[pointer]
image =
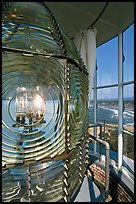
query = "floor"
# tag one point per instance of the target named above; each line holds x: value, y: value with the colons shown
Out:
x: 89, y: 192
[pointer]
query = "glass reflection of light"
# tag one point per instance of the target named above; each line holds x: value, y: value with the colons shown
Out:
x: 38, y: 102
x: 29, y: 107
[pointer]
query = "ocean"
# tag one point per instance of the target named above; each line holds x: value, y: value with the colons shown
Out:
x: 110, y: 115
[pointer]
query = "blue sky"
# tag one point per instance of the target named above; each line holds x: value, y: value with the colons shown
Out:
x: 107, y: 63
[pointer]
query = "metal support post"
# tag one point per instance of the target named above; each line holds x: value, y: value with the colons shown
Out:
x: 120, y: 101
x: 95, y: 108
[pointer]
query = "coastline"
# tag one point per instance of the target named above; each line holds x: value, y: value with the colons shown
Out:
x: 109, y: 126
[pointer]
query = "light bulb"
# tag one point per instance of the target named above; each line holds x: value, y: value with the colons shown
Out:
x: 38, y: 101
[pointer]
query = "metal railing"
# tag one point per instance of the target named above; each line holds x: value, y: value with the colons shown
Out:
x: 107, y: 148
x: 128, y: 132
x: 102, y: 141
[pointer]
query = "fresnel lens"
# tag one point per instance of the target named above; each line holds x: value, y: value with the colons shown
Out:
x: 44, y: 107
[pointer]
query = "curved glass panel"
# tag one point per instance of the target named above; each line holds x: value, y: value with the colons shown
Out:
x: 24, y: 23
x: 44, y: 107
x: 33, y: 107
x: 46, y: 178
x: 77, y: 105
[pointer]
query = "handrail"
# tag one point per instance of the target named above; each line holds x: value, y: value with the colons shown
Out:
x: 112, y: 127
x: 107, y: 148
x: 128, y: 132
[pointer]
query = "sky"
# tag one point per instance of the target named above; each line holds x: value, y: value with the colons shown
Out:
x: 107, y: 65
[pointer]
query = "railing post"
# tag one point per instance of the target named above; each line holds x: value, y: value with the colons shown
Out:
x: 100, y: 143
x: 107, y: 147
x: 104, y: 127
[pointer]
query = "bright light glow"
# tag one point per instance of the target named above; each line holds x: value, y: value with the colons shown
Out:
x: 16, y: 101
x: 23, y: 88
x: 37, y: 88
x: 40, y: 189
x: 38, y: 101
x: 26, y: 100
x: 39, y: 112
x: 22, y: 102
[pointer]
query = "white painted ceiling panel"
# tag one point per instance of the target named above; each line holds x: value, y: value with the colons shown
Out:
x: 77, y: 16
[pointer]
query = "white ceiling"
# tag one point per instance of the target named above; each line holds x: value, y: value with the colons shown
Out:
x: 76, y: 16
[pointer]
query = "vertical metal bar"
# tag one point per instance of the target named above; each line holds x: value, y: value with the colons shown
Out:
x: 100, y: 143
x: 107, y: 173
x: 120, y: 101
x: 104, y: 126
x: 29, y: 184
x: 95, y: 107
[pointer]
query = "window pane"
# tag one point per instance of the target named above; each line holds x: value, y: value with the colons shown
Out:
x: 107, y: 94
x: 107, y: 63
x: 128, y: 145
x: 128, y: 113
x: 107, y: 115
x: 128, y: 49
x: 107, y: 106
